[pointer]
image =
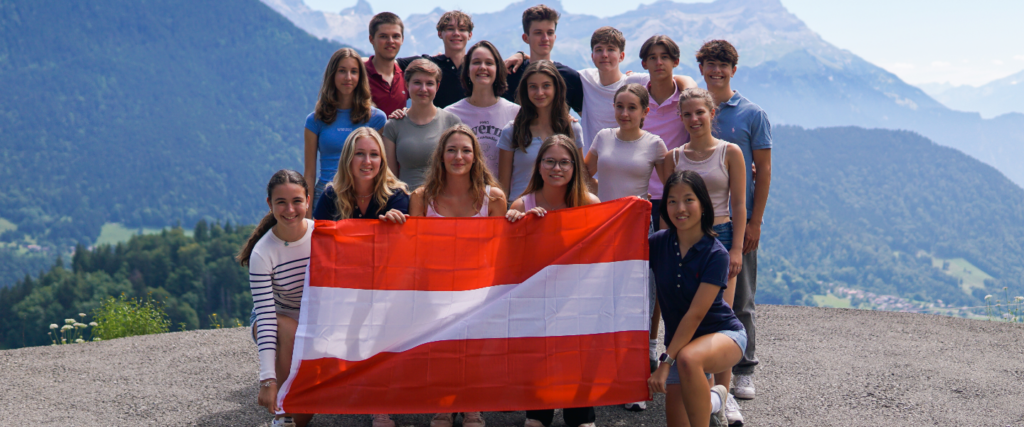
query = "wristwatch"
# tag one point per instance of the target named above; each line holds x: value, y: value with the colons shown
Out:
x: 665, y: 359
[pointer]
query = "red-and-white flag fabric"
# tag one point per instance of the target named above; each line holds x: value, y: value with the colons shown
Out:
x: 474, y: 314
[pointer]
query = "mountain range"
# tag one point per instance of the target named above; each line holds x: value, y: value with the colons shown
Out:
x: 992, y: 99
x: 785, y: 67
x: 162, y: 112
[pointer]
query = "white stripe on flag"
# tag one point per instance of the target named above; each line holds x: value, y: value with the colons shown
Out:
x: 560, y: 300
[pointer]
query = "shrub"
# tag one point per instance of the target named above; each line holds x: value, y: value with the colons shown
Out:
x: 124, y: 317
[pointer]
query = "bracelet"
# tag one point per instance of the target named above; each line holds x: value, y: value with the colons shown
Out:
x: 266, y: 383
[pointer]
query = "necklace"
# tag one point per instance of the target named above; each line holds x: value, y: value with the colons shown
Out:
x: 703, y: 155
x: 364, y: 197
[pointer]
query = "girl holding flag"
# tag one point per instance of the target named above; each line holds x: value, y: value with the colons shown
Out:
x: 557, y: 183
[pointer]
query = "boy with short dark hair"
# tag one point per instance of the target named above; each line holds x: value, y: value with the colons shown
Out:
x: 387, y: 83
x: 743, y: 123
x: 539, y: 23
x: 455, y: 29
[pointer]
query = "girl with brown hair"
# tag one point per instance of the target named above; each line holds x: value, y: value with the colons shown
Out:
x: 343, y: 105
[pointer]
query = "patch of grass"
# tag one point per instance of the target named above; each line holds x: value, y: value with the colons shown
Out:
x: 114, y: 232
x: 832, y: 301
x: 970, y: 276
x: 128, y: 317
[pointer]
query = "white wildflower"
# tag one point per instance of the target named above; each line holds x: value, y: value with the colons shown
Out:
x: 66, y: 327
x: 93, y: 324
x: 1019, y: 299
x: 97, y: 339
x: 53, y: 326
x: 988, y: 297
x: 69, y: 321
x: 63, y: 340
x: 79, y: 325
x: 81, y: 314
x: 79, y: 340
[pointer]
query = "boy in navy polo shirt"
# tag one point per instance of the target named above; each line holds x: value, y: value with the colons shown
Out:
x: 539, y: 23
x: 745, y: 124
x: 455, y: 29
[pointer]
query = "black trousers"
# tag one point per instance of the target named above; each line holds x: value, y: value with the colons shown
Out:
x: 573, y: 416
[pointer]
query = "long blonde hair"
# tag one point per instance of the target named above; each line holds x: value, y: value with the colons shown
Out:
x: 437, y: 178
x: 327, y: 102
x: 384, y: 184
x: 577, y: 193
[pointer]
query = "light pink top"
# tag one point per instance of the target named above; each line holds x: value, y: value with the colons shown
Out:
x: 663, y: 120
x: 529, y: 201
x: 714, y: 172
x: 483, y: 210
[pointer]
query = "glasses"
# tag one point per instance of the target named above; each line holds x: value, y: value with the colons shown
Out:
x: 564, y: 164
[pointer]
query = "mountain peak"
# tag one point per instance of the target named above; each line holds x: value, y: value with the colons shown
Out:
x: 362, y: 7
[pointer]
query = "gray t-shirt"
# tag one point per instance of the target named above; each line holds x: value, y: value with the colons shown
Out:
x: 414, y: 144
x: 626, y: 166
x: 522, y: 163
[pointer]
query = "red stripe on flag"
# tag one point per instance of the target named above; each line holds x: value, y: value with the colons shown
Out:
x: 457, y: 254
x: 479, y: 375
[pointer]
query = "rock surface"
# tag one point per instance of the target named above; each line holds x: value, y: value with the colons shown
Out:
x: 818, y: 366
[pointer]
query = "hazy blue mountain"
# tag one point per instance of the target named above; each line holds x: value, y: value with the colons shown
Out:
x: 998, y: 97
x: 785, y: 66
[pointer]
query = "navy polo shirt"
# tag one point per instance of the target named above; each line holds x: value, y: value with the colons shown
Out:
x: 573, y: 85
x: 677, y: 278
x: 450, y: 90
x: 326, y: 207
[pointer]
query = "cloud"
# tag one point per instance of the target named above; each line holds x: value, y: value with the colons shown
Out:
x: 940, y: 64
x: 901, y: 66
x: 1018, y: 57
x: 997, y: 62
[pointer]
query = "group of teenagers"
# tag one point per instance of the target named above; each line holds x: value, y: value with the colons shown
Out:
x: 469, y: 133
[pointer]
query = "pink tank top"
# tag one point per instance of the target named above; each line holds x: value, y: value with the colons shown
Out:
x: 714, y: 172
x: 483, y: 210
x: 529, y: 202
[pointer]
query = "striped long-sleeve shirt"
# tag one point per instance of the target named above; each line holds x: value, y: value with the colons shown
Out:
x: 277, y: 270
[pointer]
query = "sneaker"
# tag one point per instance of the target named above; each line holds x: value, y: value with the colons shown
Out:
x: 283, y: 422
x: 530, y: 422
x: 732, y: 412
x: 472, y: 419
x: 382, y: 420
x: 743, y: 386
x: 442, y: 420
x: 636, y: 406
x: 718, y: 419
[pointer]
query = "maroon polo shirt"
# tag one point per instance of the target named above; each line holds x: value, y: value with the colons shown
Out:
x: 387, y: 96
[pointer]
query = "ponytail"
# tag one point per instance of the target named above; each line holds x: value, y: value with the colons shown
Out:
x: 283, y: 176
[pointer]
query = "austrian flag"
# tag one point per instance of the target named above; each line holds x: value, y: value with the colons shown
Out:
x: 474, y: 314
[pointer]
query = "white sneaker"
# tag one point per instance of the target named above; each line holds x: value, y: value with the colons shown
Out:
x: 636, y: 406
x: 382, y: 420
x: 718, y: 419
x: 472, y: 419
x: 283, y: 422
x: 530, y: 422
x: 732, y: 412
x: 743, y: 386
x: 442, y: 420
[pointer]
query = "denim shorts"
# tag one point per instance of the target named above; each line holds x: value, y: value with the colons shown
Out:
x: 739, y: 337
x: 724, y: 231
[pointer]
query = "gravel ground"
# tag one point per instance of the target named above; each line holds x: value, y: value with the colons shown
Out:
x: 829, y: 367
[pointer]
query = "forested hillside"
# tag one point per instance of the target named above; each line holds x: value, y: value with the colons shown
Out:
x: 855, y: 206
x: 146, y: 112
x: 192, y: 277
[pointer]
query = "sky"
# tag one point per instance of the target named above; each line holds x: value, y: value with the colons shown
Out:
x: 921, y: 41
